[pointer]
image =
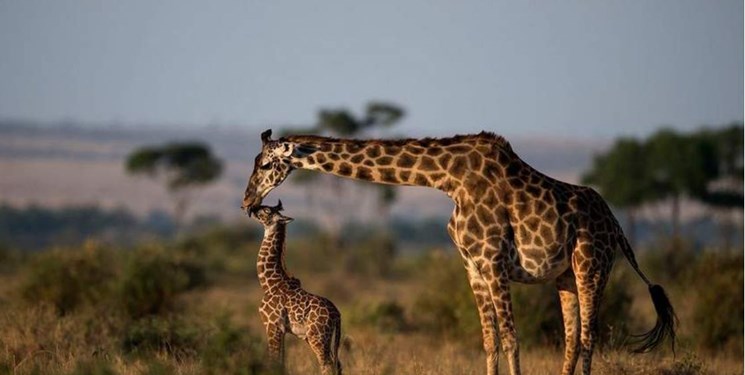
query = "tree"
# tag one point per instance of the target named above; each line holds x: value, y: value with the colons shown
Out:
x: 725, y: 193
x: 680, y: 166
x: 622, y: 176
x: 183, y: 167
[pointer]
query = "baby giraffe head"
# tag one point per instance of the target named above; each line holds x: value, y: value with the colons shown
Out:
x: 270, y: 216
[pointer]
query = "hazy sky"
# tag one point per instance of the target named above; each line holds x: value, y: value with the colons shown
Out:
x: 520, y: 68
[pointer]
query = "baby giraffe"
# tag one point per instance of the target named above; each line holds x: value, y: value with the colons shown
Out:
x: 286, y: 307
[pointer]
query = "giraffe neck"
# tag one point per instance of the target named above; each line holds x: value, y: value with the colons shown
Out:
x: 270, y: 265
x: 438, y: 163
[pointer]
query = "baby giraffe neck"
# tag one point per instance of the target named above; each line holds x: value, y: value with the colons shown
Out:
x: 270, y: 265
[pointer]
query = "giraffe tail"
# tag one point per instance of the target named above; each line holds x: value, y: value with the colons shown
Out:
x: 666, y: 318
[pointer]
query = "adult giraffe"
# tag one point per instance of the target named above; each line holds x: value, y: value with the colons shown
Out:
x: 510, y: 223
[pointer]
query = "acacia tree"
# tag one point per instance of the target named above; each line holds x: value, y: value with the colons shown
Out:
x: 183, y: 167
x: 622, y: 176
x: 705, y: 166
x: 725, y: 193
x: 680, y: 166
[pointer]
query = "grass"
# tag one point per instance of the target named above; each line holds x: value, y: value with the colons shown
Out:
x: 71, y: 312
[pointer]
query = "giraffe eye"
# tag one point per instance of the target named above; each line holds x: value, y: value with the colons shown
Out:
x: 266, y: 166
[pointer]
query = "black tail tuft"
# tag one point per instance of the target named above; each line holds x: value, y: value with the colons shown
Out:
x: 666, y: 321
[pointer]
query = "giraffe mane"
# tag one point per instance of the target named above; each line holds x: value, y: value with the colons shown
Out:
x: 496, y: 139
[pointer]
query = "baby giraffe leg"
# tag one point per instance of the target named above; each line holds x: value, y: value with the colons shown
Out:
x: 275, y: 344
x: 321, y: 341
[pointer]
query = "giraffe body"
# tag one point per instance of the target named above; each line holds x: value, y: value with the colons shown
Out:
x: 286, y: 307
x: 510, y: 223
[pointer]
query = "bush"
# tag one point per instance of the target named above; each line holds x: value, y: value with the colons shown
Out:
x: 152, y: 278
x: 222, y: 249
x: 371, y: 256
x: 537, y: 314
x: 667, y: 260
x: 228, y: 349
x: 93, y: 367
x: 718, y: 310
x: 615, y: 308
x: 155, y: 335
x: 67, y: 279
x: 219, y: 346
x: 385, y: 316
x: 446, y: 305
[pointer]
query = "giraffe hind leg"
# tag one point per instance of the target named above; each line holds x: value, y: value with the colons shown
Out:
x: 567, y: 288
x: 321, y: 342
x: 590, y: 286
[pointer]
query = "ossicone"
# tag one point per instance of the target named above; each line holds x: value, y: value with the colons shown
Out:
x: 279, y: 207
x: 265, y: 136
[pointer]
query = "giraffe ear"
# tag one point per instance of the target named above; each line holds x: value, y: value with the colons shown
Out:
x: 279, y: 207
x: 266, y: 136
x: 301, y: 151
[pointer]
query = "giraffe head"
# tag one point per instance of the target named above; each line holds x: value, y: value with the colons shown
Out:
x: 271, y: 167
x: 269, y: 216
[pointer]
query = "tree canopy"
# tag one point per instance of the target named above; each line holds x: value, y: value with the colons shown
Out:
x: 705, y: 165
x: 181, y: 165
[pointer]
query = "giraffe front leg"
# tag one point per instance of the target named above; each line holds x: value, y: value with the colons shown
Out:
x: 487, y: 314
x: 275, y: 344
x: 567, y: 288
x: 499, y: 287
x: 480, y: 289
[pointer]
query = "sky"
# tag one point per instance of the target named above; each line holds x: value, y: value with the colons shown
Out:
x: 544, y: 69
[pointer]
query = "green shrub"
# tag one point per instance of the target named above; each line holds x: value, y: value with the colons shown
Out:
x: 157, y: 367
x: 67, y: 279
x: 152, y: 278
x: 93, y: 367
x: 668, y: 260
x: 446, y: 304
x: 222, y: 249
x: 615, y: 309
x: 385, y: 316
x: 161, y: 335
x: 312, y: 254
x: 9, y: 259
x: 371, y: 256
x: 718, y: 310
x: 537, y: 315
x: 228, y: 349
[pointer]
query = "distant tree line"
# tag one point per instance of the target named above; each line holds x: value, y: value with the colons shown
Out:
x: 705, y: 166
x: 35, y: 228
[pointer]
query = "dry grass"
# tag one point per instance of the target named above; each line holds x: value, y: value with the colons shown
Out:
x: 215, y: 329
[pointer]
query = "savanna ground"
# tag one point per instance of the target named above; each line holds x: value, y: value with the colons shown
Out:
x: 189, y: 306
